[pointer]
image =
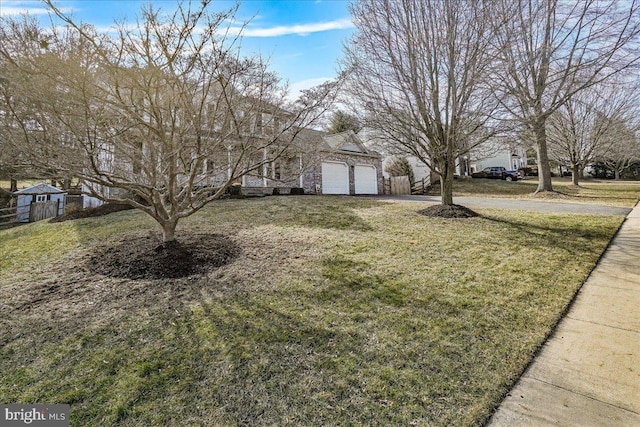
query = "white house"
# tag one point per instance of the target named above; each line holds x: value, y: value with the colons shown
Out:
x: 509, y: 156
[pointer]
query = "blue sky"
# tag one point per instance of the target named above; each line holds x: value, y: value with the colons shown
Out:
x: 302, y: 38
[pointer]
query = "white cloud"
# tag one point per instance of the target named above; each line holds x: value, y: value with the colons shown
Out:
x: 299, y: 29
x: 15, y: 11
x: 15, y: 8
x: 296, y: 88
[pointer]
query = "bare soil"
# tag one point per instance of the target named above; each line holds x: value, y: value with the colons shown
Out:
x: 143, y: 257
x: 448, y: 211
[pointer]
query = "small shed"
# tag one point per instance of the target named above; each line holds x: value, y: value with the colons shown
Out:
x: 40, y: 201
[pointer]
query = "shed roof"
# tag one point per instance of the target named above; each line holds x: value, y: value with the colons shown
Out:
x: 40, y: 188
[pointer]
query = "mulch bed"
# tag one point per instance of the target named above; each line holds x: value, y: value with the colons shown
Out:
x: 101, y: 210
x: 448, y: 211
x: 143, y: 257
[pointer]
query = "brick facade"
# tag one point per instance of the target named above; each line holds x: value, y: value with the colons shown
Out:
x: 312, y: 179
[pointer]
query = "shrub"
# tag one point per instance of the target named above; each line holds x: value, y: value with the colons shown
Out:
x: 235, y: 189
x: 297, y: 191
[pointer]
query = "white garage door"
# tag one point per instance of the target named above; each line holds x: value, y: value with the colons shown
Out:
x: 335, y: 178
x: 365, y: 179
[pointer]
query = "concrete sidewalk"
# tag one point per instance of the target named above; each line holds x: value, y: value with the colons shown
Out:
x: 588, y: 372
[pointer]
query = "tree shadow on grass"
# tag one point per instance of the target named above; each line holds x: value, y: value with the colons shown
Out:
x: 561, y: 234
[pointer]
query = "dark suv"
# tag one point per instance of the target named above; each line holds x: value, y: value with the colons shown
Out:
x: 496, y: 172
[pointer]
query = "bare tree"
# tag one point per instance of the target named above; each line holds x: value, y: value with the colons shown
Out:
x: 163, y: 116
x: 549, y: 50
x: 587, y: 126
x: 624, y: 147
x: 418, y: 68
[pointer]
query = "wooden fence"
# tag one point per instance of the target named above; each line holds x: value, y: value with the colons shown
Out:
x: 43, y: 210
x: 73, y: 202
x: 401, y: 185
x: 421, y: 186
x: 8, y: 215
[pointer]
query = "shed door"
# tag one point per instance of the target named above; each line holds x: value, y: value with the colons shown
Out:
x: 335, y: 178
x: 365, y: 179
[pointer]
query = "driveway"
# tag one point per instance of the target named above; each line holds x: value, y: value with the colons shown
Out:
x: 521, y: 204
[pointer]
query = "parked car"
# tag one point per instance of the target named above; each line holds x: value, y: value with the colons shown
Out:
x: 512, y: 175
x: 495, y: 172
x: 498, y: 172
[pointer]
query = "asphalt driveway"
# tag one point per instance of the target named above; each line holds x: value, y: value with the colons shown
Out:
x: 521, y: 204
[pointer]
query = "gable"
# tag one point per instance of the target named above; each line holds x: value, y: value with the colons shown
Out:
x: 345, y: 141
x: 40, y: 188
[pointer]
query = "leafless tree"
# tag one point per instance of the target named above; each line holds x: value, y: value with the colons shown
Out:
x: 417, y: 68
x: 624, y: 147
x: 550, y: 50
x: 588, y: 125
x: 165, y: 113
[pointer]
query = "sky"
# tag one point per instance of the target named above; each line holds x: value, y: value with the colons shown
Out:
x: 302, y: 38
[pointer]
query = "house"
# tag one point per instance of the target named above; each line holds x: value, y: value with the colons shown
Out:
x: 344, y: 165
x: 319, y: 163
x: 316, y: 161
x: 40, y: 201
x: 509, y: 156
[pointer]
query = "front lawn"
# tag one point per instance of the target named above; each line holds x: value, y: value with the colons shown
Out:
x: 601, y: 192
x: 338, y: 311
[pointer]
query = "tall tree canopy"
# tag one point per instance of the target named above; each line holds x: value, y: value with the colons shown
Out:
x: 418, y: 68
x: 594, y: 124
x: 547, y: 51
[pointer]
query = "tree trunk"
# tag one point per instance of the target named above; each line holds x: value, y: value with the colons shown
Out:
x: 575, y: 174
x: 169, y: 230
x: 446, y: 184
x: 544, y: 169
x: 616, y: 173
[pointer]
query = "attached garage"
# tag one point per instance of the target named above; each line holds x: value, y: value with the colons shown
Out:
x: 365, y: 179
x: 335, y: 178
x: 345, y: 166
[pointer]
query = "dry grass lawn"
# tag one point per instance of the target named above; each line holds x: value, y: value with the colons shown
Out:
x: 338, y: 311
x: 601, y: 192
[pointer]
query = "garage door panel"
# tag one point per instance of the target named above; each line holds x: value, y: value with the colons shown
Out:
x: 335, y: 178
x: 365, y: 179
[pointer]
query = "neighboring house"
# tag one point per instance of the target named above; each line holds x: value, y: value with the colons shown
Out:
x: 494, y: 154
x: 38, y: 202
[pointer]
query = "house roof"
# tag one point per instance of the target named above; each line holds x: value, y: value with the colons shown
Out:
x: 40, y: 188
x: 346, y: 141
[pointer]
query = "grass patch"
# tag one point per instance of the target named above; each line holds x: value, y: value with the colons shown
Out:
x: 611, y: 193
x: 340, y: 311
